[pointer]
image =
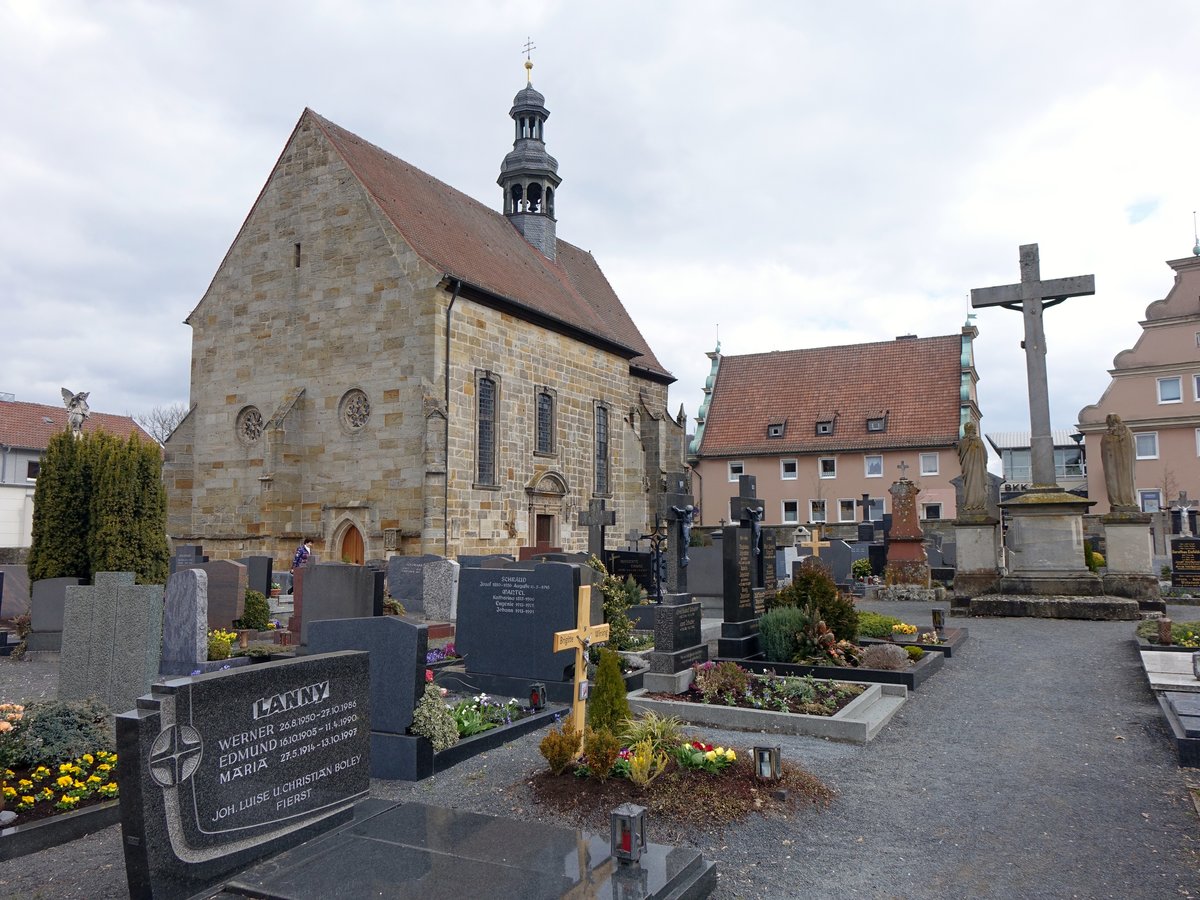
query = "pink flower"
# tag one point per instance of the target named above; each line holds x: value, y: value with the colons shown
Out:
x: 428, y: 675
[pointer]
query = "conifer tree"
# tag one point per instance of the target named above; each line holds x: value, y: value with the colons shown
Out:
x: 608, y: 706
x: 58, y: 547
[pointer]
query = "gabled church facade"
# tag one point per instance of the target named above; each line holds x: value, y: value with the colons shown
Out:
x: 388, y: 366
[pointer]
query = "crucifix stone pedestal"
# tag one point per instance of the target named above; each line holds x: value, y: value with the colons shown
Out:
x: 1044, y: 541
x: 907, y: 563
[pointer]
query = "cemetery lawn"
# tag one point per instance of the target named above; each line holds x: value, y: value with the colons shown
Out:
x: 793, y: 694
x: 693, y: 799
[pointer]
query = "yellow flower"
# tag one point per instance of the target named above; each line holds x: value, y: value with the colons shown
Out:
x: 9, y: 792
x: 27, y: 801
x: 93, y: 779
x: 711, y: 754
x: 103, y: 767
x: 729, y: 754
x: 65, y: 781
x: 46, y: 794
x: 88, y: 758
x: 24, y: 784
x: 67, y: 798
x: 720, y: 751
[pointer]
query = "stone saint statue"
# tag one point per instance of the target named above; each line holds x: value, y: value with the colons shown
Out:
x: 77, y: 410
x: 1116, y: 454
x: 972, y: 459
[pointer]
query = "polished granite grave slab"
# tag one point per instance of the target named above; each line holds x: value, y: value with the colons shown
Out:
x: 1182, y: 712
x: 420, y: 851
x: 1169, y: 671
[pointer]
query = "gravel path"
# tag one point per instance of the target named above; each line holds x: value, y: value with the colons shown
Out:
x: 1035, y: 764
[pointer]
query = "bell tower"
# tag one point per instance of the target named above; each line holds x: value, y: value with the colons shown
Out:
x: 529, y: 175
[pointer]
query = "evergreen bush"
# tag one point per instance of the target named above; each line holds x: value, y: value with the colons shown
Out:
x: 778, y: 630
x: 813, y: 585
x: 601, y: 748
x: 875, y: 625
x: 99, y: 506
x: 618, y: 595
x: 559, y: 747
x: 256, y: 613
x: 608, y: 707
x: 56, y: 731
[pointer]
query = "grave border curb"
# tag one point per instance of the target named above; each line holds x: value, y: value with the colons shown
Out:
x: 21, y: 840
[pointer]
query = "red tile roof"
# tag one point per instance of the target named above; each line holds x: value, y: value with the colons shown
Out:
x: 915, y: 380
x: 25, y: 425
x: 464, y: 238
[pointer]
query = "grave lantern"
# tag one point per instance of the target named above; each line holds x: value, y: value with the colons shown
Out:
x: 628, y: 833
x: 939, y: 619
x: 537, y: 695
x: 768, y: 763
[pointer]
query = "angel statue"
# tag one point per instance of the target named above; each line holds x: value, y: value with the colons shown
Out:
x: 77, y: 410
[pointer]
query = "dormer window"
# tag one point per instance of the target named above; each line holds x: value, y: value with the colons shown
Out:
x: 825, y: 426
x: 877, y: 422
x: 776, y: 429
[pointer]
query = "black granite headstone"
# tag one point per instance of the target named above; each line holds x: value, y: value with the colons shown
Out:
x: 625, y: 563
x: 259, y: 575
x: 1185, y: 562
x: 220, y: 770
x: 507, y: 619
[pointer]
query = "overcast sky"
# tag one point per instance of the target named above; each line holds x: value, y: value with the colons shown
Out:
x: 799, y: 174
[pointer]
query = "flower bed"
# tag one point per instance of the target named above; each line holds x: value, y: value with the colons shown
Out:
x: 911, y: 677
x: 805, y: 695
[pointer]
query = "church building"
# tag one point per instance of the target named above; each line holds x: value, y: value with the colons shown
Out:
x: 386, y: 365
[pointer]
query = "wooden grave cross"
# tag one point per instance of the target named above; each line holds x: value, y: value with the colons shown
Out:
x: 580, y: 639
x: 814, y: 543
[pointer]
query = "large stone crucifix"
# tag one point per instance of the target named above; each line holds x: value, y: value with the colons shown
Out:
x: 1030, y: 297
x: 579, y: 639
x: 596, y: 519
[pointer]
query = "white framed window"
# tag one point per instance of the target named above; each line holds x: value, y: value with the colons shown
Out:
x: 929, y: 463
x: 1150, y: 501
x: 788, y: 469
x: 875, y: 509
x: 816, y: 510
x: 1146, y: 444
x: 873, y: 466
x: 736, y: 470
x: 931, y: 511
x: 1198, y: 441
x: 827, y: 466
x: 791, y: 512
x: 825, y: 426
x: 847, y: 510
x: 776, y: 429
x: 33, y: 468
x: 1196, y: 387
x: 1170, y: 390
x: 877, y: 424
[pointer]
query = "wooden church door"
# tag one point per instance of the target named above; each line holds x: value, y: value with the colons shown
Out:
x: 352, y: 547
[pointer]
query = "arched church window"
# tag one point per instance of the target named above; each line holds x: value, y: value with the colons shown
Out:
x: 485, y: 445
x: 535, y: 198
x: 517, y: 195
x: 550, y: 201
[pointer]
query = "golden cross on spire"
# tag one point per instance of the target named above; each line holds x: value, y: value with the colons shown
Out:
x: 529, y: 48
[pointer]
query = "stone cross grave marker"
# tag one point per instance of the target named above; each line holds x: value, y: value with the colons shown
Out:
x: 1031, y: 297
x: 814, y: 543
x: 676, y: 506
x: 634, y: 536
x: 596, y: 519
x: 579, y: 639
x: 747, y: 511
x: 903, y: 466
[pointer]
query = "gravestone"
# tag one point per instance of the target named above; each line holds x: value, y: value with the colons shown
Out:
x: 474, y: 561
x: 259, y: 573
x: 906, y: 562
x: 186, y: 556
x: 340, y: 591
x: 112, y: 640
x: 838, y: 556
x: 631, y: 563
x: 678, y: 644
x: 749, y: 573
x: 185, y: 628
x: 785, y: 557
x: 397, y: 648
x: 506, y: 623
x: 676, y: 508
x: 46, y: 608
x: 1185, y: 562
x: 596, y: 518
x: 866, y: 532
x: 15, y: 598
x: 227, y: 584
x: 427, y: 585
x: 220, y: 770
